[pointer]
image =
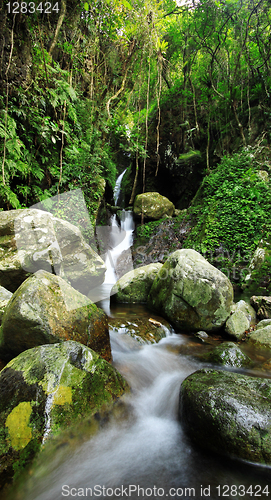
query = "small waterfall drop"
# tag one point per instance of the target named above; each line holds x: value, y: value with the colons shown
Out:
x: 118, y: 257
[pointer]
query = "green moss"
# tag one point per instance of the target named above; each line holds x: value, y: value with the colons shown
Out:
x: 17, y: 423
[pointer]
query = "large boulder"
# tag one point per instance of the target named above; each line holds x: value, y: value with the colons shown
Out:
x: 32, y: 239
x: 135, y: 286
x: 46, y: 309
x: 46, y: 389
x: 153, y: 206
x: 228, y: 413
x: 191, y: 293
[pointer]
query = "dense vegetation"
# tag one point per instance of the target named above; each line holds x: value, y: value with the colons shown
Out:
x: 165, y: 88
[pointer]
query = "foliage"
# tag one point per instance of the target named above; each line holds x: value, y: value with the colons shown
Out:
x: 235, y: 215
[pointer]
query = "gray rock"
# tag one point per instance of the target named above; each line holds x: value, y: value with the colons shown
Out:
x: 191, y: 293
x: 228, y: 413
x: 263, y: 323
x: 135, y: 286
x: 32, y: 239
x: 261, y: 337
x: 153, y: 205
x: 46, y: 309
x: 237, y: 324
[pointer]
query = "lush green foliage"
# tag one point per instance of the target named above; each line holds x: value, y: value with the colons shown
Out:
x: 231, y: 212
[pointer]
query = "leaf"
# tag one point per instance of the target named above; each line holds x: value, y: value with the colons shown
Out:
x: 86, y: 6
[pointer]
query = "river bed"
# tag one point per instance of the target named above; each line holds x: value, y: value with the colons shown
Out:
x: 147, y: 454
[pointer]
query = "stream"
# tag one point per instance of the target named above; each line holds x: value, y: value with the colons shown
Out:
x: 146, y: 455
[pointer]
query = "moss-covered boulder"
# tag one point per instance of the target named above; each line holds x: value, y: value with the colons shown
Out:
x: 46, y: 389
x: 262, y: 305
x: 135, y: 286
x: 191, y: 293
x: 153, y: 206
x: 5, y: 296
x: 228, y: 354
x: 32, y: 239
x: 228, y: 413
x: 46, y: 309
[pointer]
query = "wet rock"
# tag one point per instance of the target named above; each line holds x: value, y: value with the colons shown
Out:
x: 135, y: 286
x: 153, y: 206
x: 263, y: 324
x: 203, y: 336
x: 144, y: 330
x: 261, y: 337
x: 228, y: 413
x: 262, y: 305
x: 46, y: 389
x: 191, y: 293
x: 46, y: 309
x: 5, y: 296
x: 228, y: 354
x: 32, y: 239
x: 237, y: 324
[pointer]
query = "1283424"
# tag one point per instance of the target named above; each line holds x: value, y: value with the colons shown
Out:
x: 32, y: 7
x: 241, y: 490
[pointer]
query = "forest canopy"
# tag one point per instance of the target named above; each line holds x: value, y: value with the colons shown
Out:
x: 94, y: 87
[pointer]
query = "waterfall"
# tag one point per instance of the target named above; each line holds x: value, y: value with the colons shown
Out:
x: 117, y: 187
x: 118, y: 239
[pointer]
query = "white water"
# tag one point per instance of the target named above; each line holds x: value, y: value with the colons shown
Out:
x: 120, y: 239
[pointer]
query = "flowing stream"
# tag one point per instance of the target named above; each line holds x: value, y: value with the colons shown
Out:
x: 146, y: 455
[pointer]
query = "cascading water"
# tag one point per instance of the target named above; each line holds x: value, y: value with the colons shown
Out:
x: 120, y: 240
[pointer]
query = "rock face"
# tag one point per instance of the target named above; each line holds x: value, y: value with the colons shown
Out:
x: 46, y: 309
x: 46, y: 389
x: 191, y: 293
x: 228, y: 413
x: 153, y: 206
x: 32, y: 239
x: 262, y: 305
x: 229, y: 354
x: 135, y: 286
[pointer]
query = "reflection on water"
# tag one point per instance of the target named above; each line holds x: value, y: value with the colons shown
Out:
x: 146, y: 455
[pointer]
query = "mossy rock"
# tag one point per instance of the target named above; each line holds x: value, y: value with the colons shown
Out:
x: 46, y: 309
x: 153, y: 206
x: 228, y: 413
x: 237, y: 324
x: 190, y: 293
x: 228, y: 354
x: 46, y: 389
x: 134, y: 287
